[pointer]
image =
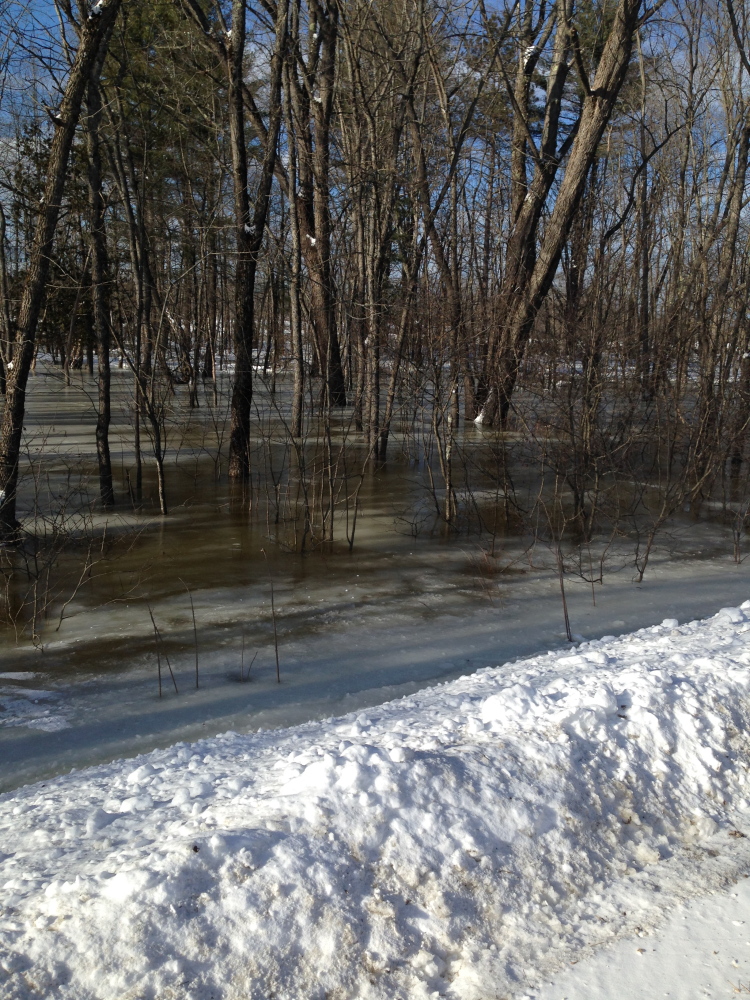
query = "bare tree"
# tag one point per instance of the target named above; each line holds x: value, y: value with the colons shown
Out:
x: 93, y: 37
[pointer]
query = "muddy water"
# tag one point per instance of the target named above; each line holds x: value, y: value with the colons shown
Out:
x: 404, y: 607
x: 217, y: 539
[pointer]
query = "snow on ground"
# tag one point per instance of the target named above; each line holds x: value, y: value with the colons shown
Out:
x: 701, y: 952
x: 467, y: 841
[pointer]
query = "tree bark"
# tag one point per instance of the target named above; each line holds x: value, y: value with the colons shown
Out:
x: 94, y: 33
x: 295, y: 311
x: 532, y: 287
x: 6, y: 325
x: 230, y: 50
x: 312, y: 121
x: 99, y: 282
x: 249, y: 234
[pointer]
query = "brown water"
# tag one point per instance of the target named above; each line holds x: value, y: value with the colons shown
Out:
x: 407, y: 604
x: 217, y: 536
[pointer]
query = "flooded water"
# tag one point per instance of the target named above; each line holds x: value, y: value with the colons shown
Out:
x: 406, y: 605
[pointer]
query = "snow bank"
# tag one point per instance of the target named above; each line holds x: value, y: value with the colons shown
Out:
x: 449, y: 844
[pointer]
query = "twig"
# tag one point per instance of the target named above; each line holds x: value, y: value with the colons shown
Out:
x: 242, y: 664
x: 561, y: 574
x: 273, y: 619
x: 156, y: 643
x: 169, y: 665
x: 166, y: 655
x: 87, y: 567
x: 195, y: 630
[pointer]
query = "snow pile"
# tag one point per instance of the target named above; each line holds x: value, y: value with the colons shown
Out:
x: 450, y: 844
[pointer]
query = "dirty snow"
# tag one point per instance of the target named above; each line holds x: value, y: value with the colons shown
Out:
x: 468, y: 841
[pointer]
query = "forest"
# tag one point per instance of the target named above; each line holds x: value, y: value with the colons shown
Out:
x: 502, y: 249
x: 374, y: 436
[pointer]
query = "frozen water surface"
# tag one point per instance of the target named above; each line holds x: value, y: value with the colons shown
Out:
x: 97, y: 697
x: 355, y: 628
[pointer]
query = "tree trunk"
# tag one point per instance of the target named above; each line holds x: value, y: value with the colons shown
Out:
x: 532, y: 287
x: 312, y: 121
x: 249, y: 234
x: 99, y: 284
x: 6, y: 326
x: 94, y: 34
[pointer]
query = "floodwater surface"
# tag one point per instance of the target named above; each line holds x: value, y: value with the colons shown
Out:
x: 150, y: 629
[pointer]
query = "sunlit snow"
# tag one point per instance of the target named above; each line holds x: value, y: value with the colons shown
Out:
x: 466, y: 841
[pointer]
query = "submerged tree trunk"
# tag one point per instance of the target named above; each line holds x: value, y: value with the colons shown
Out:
x: 526, y: 288
x: 312, y: 123
x: 93, y: 39
x: 229, y: 48
x: 6, y: 326
x: 239, y: 459
x: 244, y: 275
x: 99, y: 284
x: 295, y: 312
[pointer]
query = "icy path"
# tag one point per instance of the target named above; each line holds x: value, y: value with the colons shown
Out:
x: 468, y: 841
